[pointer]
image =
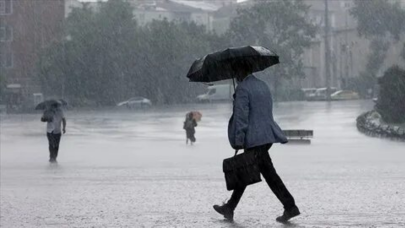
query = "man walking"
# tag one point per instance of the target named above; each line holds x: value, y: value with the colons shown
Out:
x: 54, y: 118
x: 253, y: 129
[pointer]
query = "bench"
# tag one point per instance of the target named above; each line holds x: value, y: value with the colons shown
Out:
x: 299, y: 136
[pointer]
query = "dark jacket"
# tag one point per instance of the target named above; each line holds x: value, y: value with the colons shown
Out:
x: 252, y: 123
x: 189, y: 125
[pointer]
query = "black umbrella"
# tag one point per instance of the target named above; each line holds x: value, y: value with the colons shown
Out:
x: 228, y: 63
x: 48, y: 103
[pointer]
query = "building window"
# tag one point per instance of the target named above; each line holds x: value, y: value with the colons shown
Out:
x: 6, y: 33
x: 6, y: 7
x: 6, y: 60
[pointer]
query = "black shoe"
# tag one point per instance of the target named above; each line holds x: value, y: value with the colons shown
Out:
x: 225, y: 211
x: 52, y: 160
x: 288, y: 214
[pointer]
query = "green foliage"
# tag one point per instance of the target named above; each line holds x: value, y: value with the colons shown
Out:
x: 391, y: 99
x: 109, y: 58
x: 362, y: 84
x: 282, y: 26
x: 169, y: 50
x: 375, y: 60
x: 378, y: 18
x: 90, y: 64
x: 381, y: 22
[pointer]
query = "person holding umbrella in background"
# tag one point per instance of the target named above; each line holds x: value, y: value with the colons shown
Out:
x: 54, y: 118
x: 189, y: 125
x: 251, y: 127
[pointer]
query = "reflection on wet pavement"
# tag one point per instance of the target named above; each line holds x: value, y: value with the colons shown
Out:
x: 133, y: 169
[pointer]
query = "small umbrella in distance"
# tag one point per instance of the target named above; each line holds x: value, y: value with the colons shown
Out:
x: 197, y: 116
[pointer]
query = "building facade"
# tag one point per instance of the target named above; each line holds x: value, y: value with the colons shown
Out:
x: 199, y: 12
x: 348, y: 51
x: 26, y: 28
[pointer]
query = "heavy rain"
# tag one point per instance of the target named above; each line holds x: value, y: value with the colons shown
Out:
x: 162, y: 113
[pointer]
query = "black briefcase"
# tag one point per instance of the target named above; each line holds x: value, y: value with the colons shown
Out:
x: 241, y: 170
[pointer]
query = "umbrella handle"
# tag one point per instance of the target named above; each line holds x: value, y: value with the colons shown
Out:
x: 233, y: 80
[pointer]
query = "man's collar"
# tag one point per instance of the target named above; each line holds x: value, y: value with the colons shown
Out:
x: 247, y: 77
x: 244, y: 78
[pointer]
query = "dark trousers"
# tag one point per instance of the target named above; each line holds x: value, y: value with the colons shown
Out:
x: 54, y: 140
x: 190, y: 134
x: 270, y: 175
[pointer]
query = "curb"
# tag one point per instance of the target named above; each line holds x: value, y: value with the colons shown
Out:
x: 365, y: 125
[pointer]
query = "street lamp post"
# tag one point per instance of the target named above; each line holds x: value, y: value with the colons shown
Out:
x: 327, y: 51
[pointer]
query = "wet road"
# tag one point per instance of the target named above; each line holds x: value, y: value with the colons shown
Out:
x: 133, y: 169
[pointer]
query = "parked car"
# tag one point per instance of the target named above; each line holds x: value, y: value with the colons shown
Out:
x: 320, y: 94
x: 344, y: 95
x: 136, y: 102
x: 217, y: 93
x: 375, y: 99
x: 308, y: 92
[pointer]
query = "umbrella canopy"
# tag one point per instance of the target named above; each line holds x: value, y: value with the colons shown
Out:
x: 197, y: 115
x: 48, y: 103
x: 228, y: 63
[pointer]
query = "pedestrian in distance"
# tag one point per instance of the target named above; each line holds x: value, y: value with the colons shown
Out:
x: 54, y: 118
x: 252, y: 128
x: 189, y: 126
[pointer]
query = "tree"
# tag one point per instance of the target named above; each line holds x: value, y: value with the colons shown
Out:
x: 281, y: 26
x: 382, y: 23
x: 391, y: 99
x: 375, y: 60
x: 378, y: 18
x: 170, y: 50
x: 109, y: 58
x: 91, y: 64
